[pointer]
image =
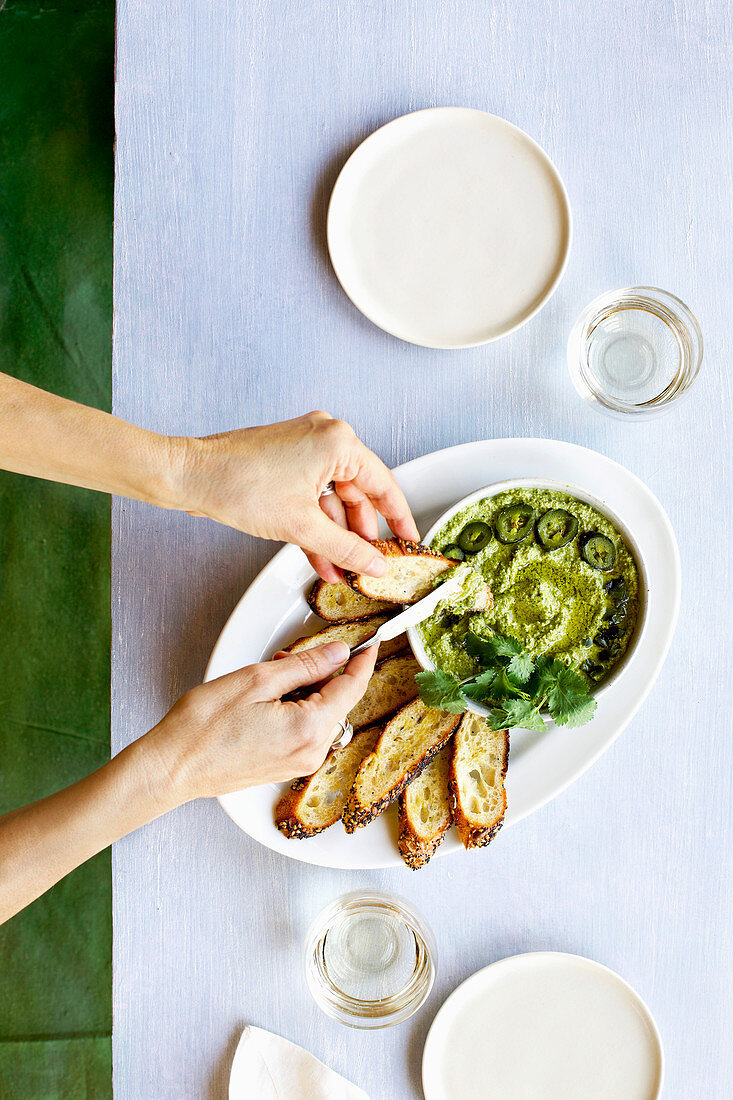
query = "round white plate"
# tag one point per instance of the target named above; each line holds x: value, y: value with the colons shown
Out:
x: 545, y: 1024
x: 273, y: 612
x: 449, y: 227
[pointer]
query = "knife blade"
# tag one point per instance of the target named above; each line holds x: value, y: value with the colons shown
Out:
x: 413, y: 613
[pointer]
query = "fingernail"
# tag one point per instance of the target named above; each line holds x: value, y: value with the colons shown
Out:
x: 337, y: 652
x: 378, y: 567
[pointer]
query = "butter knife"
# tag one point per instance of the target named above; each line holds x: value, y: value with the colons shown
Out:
x: 414, y: 613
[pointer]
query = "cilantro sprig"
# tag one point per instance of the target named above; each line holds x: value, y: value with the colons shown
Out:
x: 517, y: 687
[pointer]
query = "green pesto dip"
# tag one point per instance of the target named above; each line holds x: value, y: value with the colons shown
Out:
x: 552, y: 601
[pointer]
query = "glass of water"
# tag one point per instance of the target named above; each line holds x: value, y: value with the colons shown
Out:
x: 369, y: 960
x: 634, y: 352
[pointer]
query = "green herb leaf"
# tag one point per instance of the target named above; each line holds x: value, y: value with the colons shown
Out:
x: 481, y: 687
x: 490, y: 649
x: 506, y: 646
x: 568, y: 698
x: 544, y: 675
x: 521, y: 667
x: 440, y: 690
x: 582, y: 713
x: 515, y: 687
x: 517, y: 713
x: 505, y: 687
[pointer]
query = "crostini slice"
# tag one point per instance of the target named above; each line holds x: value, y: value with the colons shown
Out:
x: 392, y: 685
x: 424, y: 811
x: 339, y: 603
x: 317, y: 801
x: 479, y: 758
x: 412, y: 570
x: 352, y: 634
x: 410, y: 740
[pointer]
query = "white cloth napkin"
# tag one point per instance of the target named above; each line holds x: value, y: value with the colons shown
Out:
x: 267, y: 1067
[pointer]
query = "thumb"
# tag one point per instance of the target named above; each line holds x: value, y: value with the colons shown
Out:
x: 296, y: 670
x: 342, y: 548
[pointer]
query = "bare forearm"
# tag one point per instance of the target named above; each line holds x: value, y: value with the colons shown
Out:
x: 49, y: 437
x: 41, y: 843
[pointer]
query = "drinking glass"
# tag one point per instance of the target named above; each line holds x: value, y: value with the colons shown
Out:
x: 633, y: 353
x: 369, y: 960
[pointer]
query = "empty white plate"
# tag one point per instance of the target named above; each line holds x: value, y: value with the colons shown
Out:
x: 543, y: 1026
x: 449, y: 227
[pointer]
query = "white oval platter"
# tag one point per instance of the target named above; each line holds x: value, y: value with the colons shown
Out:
x: 273, y: 611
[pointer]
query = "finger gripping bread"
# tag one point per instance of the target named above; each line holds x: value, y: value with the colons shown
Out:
x: 479, y: 758
x: 424, y: 811
x: 410, y: 740
x: 338, y: 603
x: 412, y: 570
x: 317, y: 801
x: 352, y: 634
x: 391, y: 686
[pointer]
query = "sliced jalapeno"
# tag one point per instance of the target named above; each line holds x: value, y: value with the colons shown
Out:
x: 606, y: 636
x: 454, y: 552
x: 474, y: 537
x: 598, y: 551
x: 556, y: 528
x: 616, y: 588
x: 514, y: 523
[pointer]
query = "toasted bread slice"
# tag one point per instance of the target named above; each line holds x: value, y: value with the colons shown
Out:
x: 352, y: 634
x: 425, y: 814
x: 317, y: 801
x: 478, y: 765
x: 409, y: 742
x: 412, y: 570
x: 392, y: 685
x: 338, y: 603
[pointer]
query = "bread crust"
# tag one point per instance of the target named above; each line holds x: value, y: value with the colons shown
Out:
x: 286, y: 812
x: 474, y: 836
x: 380, y: 713
x: 317, y: 599
x: 352, y: 633
x: 416, y: 848
x: 394, y: 548
x: 357, y: 813
x: 289, y: 810
x: 415, y: 852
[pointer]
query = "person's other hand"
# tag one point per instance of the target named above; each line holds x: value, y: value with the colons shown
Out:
x: 268, y: 482
x: 238, y: 731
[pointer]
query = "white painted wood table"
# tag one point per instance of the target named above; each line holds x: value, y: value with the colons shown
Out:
x: 232, y: 122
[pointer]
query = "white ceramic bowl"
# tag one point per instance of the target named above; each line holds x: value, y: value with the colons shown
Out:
x: 585, y: 497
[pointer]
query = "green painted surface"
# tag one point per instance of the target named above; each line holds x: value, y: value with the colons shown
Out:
x: 56, y: 178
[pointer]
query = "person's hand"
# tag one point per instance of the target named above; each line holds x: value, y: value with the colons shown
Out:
x: 268, y: 482
x: 238, y: 732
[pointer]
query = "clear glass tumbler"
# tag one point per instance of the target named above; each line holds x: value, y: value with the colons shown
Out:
x: 634, y: 352
x: 369, y: 960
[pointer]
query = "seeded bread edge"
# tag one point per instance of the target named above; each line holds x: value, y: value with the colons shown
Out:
x: 356, y: 814
x: 471, y: 835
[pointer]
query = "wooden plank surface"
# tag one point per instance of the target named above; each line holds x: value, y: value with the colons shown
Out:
x: 232, y: 123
